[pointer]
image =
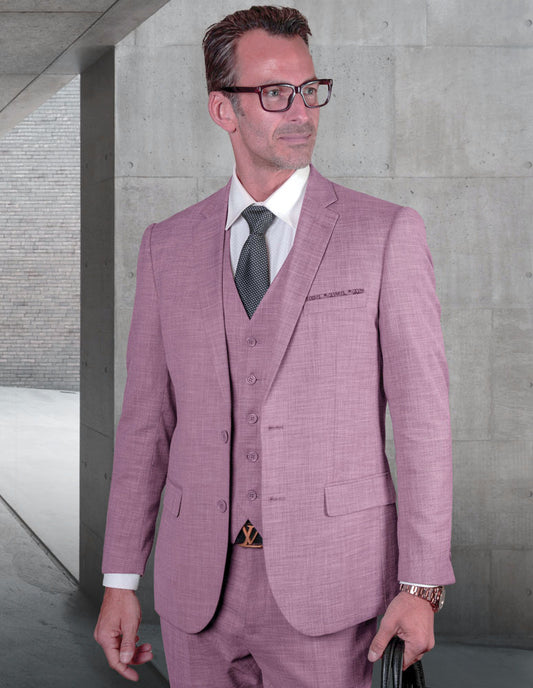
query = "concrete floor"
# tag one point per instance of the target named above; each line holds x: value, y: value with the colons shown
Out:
x: 39, y: 464
x: 47, y: 624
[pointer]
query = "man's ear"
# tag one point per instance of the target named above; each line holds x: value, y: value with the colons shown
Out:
x: 221, y: 111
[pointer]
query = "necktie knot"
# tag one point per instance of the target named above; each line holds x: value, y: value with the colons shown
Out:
x: 258, y: 218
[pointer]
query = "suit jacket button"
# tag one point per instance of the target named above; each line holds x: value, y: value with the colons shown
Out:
x: 252, y: 456
x: 251, y: 379
x: 222, y: 506
x: 225, y: 436
x: 251, y: 341
x: 252, y: 418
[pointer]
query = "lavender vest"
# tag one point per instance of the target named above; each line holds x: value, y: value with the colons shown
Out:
x: 249, y: 343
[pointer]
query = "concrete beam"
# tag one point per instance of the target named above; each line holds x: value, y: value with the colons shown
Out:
x: 44, y: 44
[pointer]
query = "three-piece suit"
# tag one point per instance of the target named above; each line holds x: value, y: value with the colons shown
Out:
x: 281, y: 418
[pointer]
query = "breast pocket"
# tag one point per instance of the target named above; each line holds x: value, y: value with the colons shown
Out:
x: 318, y: 303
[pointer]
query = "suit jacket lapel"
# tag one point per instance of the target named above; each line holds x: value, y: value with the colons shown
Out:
x: 209, y: 253
x: 316, y: 224
x: 310, y: 242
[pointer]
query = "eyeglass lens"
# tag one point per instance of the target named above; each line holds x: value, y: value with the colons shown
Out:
x: 277, y: 97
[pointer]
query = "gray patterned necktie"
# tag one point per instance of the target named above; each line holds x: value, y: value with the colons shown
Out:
x: 252, y: 275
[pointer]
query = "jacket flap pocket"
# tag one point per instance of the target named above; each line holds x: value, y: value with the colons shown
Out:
x: 356, y: 495
x: 172, y: 500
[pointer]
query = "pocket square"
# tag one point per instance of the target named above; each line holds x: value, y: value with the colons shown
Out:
x: 331, y: 294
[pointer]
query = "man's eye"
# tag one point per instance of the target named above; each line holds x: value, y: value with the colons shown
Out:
x: 272, y: 93
x: 310, y: 91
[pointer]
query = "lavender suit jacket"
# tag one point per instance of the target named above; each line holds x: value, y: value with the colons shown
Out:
x: 359, y: 326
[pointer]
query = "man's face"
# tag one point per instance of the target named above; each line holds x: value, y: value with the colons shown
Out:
x: 271, y: 141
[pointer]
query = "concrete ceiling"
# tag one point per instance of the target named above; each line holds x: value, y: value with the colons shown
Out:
x: 45, y: 43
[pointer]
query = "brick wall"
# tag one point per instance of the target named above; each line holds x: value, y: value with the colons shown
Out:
x: 40, y: 239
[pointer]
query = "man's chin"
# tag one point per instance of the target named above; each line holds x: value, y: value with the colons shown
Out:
x: 294, y: 162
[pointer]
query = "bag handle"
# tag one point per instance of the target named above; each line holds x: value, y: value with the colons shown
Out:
x: 391, y: 664
x: 392, y: 675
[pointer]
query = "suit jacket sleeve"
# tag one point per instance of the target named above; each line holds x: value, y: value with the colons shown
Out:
x: 143, y: 433
x: 415, y: 378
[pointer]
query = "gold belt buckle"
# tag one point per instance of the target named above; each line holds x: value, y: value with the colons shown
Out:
x: 250, y: 534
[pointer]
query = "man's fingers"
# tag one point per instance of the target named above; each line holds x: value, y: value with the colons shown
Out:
x: 407, y: 662
x: 127, y: 644
x: 380, y: 642
x: 143, y: 654
x: 113, y: 659
x: 413, y: 652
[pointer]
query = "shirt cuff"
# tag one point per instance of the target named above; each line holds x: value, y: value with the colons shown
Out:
x: 126, y: 581
x: 419, y: 585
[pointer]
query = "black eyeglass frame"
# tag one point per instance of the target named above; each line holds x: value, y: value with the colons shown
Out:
x: 295, y: 91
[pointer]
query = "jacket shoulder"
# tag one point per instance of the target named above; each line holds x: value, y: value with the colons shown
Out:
x: 376, y: 213
x: 374, y: 206
x: 355, y: 205
x: 191, y: 216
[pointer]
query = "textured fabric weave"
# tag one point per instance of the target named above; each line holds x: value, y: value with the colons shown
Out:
x: 358, y: 327
x: 250, y: 643
x: 252, y: 276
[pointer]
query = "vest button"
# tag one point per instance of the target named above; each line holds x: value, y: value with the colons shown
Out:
x: 252, y: 418
x: 252, y: 494
x: 252, y: 456
x: 225, y: 436
x: 251, y: 341
x: 251, y: 379
x: 222, y: 506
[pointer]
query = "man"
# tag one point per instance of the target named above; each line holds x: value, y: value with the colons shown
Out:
x: 272, y: 323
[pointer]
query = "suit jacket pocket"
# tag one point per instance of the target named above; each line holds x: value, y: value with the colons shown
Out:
x: 172, y: 499
x: 356, y: 495
x: 332, y: 301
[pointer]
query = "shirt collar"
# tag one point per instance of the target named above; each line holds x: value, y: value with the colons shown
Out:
x: 285, y: 202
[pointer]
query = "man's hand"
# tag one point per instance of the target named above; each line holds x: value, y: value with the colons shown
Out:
x: 116, y: 632
x: 411, y: 619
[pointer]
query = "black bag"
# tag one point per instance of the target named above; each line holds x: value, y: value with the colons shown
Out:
x: 392, y: 675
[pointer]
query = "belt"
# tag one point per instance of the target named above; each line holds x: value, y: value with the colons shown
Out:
x: 249, y: 536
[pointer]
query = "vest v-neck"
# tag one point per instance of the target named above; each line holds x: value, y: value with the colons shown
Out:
x: 274, y: 285
x: 251, y: 343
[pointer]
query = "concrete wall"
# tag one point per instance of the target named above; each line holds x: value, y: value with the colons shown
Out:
x: 431, y: 108
x: 40, y: 254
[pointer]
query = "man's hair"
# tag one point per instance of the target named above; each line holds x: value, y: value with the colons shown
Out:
x: 220, y: 40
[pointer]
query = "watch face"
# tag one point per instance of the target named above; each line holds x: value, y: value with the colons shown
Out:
x: 441, y: 600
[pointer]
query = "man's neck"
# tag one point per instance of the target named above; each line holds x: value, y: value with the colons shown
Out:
x: 260, y: 187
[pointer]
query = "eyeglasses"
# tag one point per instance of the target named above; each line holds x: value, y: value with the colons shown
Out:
x: 279, y: 97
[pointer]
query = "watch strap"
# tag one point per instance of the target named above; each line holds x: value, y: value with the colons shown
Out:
x: 434, y: 595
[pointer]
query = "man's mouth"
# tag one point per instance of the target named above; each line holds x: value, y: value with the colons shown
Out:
x: 296, y: 137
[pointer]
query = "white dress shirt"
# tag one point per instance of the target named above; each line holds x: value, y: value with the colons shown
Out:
x: 286, y: 204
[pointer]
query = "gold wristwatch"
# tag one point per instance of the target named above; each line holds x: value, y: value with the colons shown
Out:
x: 435, y: 596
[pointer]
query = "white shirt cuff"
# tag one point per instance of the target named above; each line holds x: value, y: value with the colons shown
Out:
x: 420, y: 585
x: 126, y: 581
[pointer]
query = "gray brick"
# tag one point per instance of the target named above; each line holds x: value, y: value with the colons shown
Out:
x: 39, y: 234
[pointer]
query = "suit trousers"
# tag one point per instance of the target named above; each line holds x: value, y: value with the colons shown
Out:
x: 250, y: 644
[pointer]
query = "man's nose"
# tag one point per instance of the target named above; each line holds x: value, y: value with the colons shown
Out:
x: 298, y: 110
